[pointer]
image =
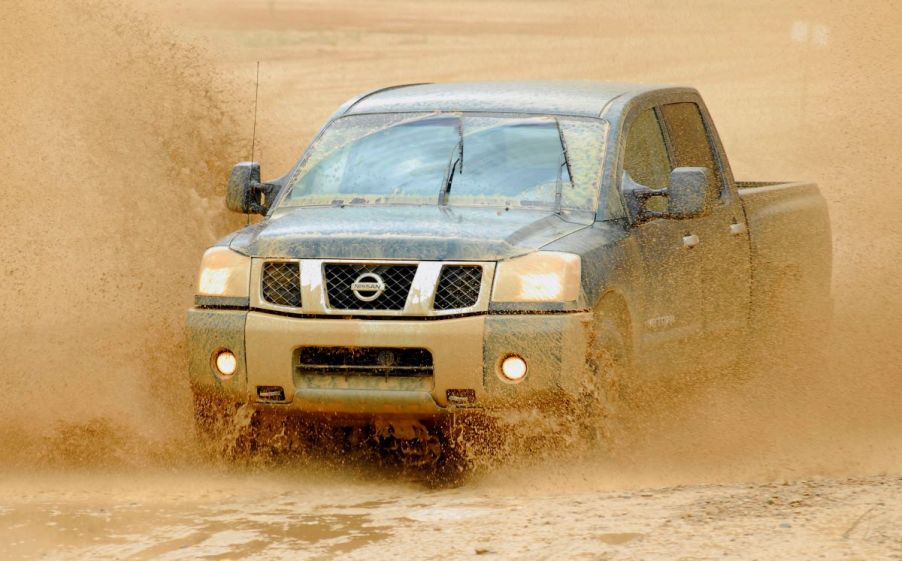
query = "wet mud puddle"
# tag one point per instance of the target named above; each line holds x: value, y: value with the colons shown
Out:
x: 215, y: 516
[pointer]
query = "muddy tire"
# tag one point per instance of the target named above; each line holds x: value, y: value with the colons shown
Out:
x: 451, y: 469
x: 222, y: 427
x: 609, y: 369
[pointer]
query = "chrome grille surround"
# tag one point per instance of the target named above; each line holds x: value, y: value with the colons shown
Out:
x: 419, y: 302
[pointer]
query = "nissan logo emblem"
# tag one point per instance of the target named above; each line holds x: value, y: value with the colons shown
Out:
x: 368, y: 287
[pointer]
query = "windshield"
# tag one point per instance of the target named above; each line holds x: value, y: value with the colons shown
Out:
x: 454, y: 159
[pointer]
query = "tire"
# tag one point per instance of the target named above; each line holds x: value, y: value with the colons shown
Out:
x: 609, y: 371
x: 222, y: 427
x: 450, y: 470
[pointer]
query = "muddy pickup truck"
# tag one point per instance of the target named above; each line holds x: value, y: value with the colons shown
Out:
x: 447, y: 250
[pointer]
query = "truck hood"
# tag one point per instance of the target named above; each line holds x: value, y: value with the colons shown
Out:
x: 405, y: 232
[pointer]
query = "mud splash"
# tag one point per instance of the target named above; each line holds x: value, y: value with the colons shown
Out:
x: 116, y: 143
x: 116, y: 139
x: 119, y: 135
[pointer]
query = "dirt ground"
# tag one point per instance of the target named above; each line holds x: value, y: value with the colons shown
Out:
x: 120, y: 123
x: 202, y: 515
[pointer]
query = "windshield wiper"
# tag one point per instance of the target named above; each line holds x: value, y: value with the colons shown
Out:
x: 453, y: 163
x: 559, y: 189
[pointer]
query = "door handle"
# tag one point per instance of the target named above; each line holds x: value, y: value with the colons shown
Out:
x: 690, y: 240
x: 737, y: 228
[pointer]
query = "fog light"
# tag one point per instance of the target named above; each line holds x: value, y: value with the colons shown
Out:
x: 226, y: 363
x: 513, y: 368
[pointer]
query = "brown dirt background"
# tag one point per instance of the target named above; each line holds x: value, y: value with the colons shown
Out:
x: 120, y: 123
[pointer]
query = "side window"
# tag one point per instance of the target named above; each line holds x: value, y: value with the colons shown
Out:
x: 645, y: 158
x: 688, y: 137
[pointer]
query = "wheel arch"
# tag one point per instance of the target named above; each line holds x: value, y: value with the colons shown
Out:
x: 614, y: 302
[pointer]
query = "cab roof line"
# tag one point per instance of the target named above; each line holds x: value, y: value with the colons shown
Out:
x: 607, y: 105
x: 381, y: 90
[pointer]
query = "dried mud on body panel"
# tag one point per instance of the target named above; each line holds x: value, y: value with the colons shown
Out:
x: 208, y: 332
x: 553, y: 346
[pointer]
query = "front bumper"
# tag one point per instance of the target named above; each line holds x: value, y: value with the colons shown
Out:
x: 466, y: 353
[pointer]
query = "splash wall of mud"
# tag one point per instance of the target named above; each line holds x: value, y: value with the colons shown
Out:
x: 118, y: 135
x: 116, y: 141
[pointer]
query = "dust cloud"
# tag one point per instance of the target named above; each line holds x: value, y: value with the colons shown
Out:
x: 120, y: 127
x: 119, y: 124
x: 116, y: 142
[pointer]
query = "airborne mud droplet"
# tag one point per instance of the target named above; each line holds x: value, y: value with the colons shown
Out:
x: 118, y: 136
x: 116, y: 142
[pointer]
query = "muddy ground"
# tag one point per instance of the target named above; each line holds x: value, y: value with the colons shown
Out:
x: 120, y: 124
x: 199, y: 515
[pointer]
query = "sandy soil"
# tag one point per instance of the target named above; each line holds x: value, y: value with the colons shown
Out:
x: 202, y: 515
x: 120, y: 126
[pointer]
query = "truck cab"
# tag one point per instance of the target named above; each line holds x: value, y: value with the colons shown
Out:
x: 445, y: 249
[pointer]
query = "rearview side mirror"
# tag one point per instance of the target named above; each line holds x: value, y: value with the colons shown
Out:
x: 246, y: 193
x: 689, y: 194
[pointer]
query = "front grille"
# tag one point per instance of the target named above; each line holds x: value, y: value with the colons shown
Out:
x: 340, y: 276
x: 458, y: 287
x: 281, y: 284
x: 364, y: 361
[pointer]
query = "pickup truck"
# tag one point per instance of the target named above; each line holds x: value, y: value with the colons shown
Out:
x: 442, y: 251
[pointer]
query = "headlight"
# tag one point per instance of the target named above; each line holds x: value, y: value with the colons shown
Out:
x: 224, y: 273
x: 544, y: 276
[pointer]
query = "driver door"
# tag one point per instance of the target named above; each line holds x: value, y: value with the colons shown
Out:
x: 672, y: 311
x: 723, y: 239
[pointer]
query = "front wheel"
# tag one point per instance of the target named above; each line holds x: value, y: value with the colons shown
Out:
x: 609, y: 367
x: 222, y: 426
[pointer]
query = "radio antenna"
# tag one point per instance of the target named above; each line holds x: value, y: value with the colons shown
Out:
x: 254, y: 133
x: 256, y: 95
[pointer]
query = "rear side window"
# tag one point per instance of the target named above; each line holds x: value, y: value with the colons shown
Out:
x: 645, y: 156
x: 688, y: 137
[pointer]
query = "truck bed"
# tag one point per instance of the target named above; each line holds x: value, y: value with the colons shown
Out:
x: 756, y: 184
x: 789, y: 232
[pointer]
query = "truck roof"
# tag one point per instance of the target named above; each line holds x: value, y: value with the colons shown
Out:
x: 579, y: 98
